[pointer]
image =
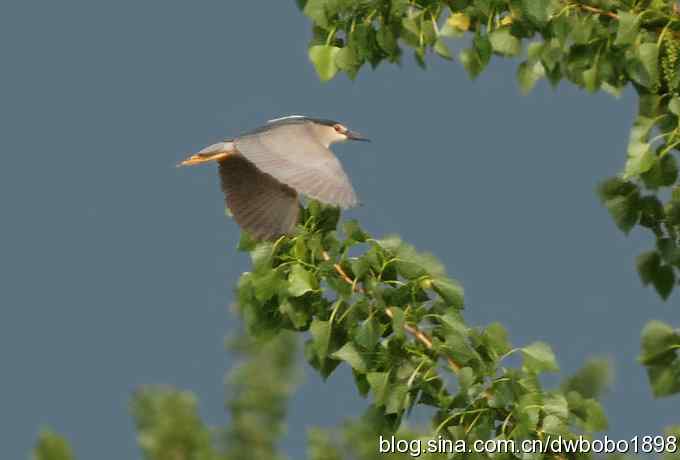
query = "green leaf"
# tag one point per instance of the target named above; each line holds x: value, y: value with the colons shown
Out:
x: 553, y: 425
x: 591, y: 380
x: 387, y: 41
x: 591, y: 79
x: 466, y: 377
x: 318, y: 11
x: 625, y: 211
x: 352, y: 356
x: 296, y: 312
x: 649, y: 56
x: 537, y: 11
x: 419, y: 55
x: 412, y: 263
x: 651, y: 270
x: 556, y: 404
x: 398, y: 321
x: 670, y: 252
x: 324, y: 59
x: 52, y: 447
x: 674, y: 105
x: 470, y: 61
x: 628, y: 28
x: 450, y: 291
x: 658, y: 340
x: 594, y: 420
x: 642, y: 66
x: 442, y: 49
x: 615, y: 187
x: 348, y: 61
x: 396, y: 399
x: 368, y: 333
x: 321, y: 336
x: 360, y: 267
x: 261, y: 256
x: 379, y: 382
x: 528, y: 74
x: 539, y: 357
x: 660, y: 346
x: 504, y: 43
x: 496, y: 337
x: 267, y: 285
x: 664, y: 281
x: 663, y: 173
x: 582, y: 30
x: 354, y: 232
x: 664, y: 378
x: 640, y: 159
x: 300, y: 281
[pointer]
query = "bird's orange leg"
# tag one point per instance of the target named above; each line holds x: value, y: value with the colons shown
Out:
x: 199, y: 158
x: 215, y: 152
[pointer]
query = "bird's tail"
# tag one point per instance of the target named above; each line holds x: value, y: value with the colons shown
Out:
x: 215, y: 152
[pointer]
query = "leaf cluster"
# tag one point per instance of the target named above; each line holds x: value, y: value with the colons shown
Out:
x: 395, y: 318
x: 594, y: 44
x: 661, y: 356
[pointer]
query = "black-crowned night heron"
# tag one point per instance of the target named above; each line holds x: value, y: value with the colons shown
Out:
x: 263, y: 171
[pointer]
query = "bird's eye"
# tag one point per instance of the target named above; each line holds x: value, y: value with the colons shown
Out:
x: 339, y: 128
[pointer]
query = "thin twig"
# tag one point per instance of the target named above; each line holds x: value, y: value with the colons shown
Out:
x: 421, y: 336
x: 592, y: 9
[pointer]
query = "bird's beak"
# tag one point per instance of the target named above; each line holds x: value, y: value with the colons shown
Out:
x: 355, y: 136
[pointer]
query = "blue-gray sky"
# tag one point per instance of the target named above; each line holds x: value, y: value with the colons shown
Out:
x: 117, y: 268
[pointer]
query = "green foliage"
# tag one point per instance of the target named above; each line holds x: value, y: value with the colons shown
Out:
x: 661, y: 356
x: 594, y: 45
x: 258, y: 392
x: 591, y: 380
x: 168, y: 425
x: 394, y: 317
x: 51, y: 446
x: 358, y: 440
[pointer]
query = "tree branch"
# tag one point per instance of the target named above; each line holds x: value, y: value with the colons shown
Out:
x: 421, y: 336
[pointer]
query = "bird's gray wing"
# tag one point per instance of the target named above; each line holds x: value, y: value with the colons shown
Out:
x: 291, y: 154
x: 260, y: 204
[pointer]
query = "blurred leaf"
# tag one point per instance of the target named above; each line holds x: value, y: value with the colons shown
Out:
x: 352, y: 356
x: 539, y: 357
x: 321, y: 335
x: 379, y: 382
x: 503, y: 42
x: 450, y: 291
x: 51, y: 446
x: 651, y: 270
x: 168, y: 425
x: 324, y: 59
x: 528, y: 74
x: 591, y: 380
x: 300, y: 281
x: 537, y: 11
x: 628, y: 28
x: 442, y: 50
x: 369, y: 333
x: 640, y: 159
x: 660, y: 346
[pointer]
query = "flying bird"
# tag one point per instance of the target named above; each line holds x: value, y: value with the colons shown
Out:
x: 262, y: 172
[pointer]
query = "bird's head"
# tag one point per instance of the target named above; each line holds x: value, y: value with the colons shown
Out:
x: 331, y: 132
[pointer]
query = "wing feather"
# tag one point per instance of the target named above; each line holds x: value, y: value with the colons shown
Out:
x: 260, y: 204
x: 292, y: 155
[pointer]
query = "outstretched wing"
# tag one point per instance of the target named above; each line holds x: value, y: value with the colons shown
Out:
x: 261, y: 205
x: 288, y: 151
